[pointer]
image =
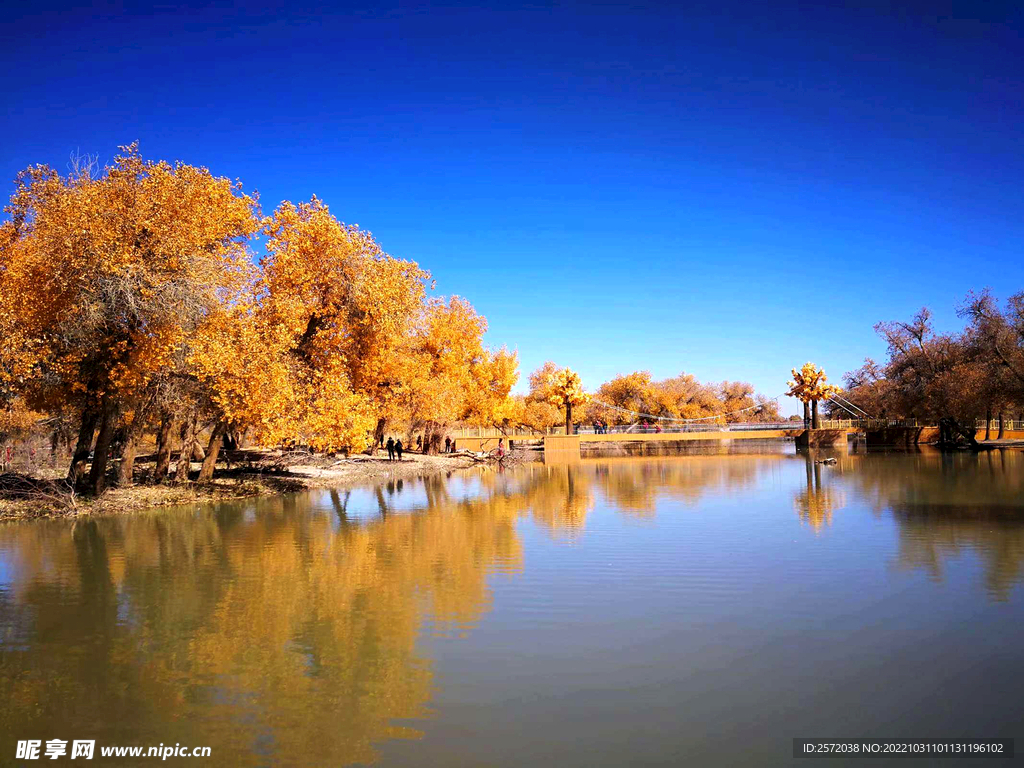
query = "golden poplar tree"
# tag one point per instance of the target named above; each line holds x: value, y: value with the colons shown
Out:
x: 106, y: 275
x: 566, y: 392
x: 809, y: 385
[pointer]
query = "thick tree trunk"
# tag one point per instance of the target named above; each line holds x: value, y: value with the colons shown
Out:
x: 212, y: 450
x: 807, y: 415
x: 1002, y: 426
x: 378, y: 435
x: 81, y: 456
x: 164, y: 445
x: 185, y: 454
x: 815, y: 421
x: 988, y: 423
x: 101, y: 453
x: 132, y: 437
x: 126, y: 469
x: 433, y: 439
x: 118, y: 442
x: 568, y: 418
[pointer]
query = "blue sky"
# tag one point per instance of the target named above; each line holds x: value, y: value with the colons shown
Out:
x: 723, y: 189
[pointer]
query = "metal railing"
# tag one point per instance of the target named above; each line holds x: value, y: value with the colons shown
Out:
x: 873, y: 423
x: 491, y: 432
x: 993, y: 425
x: 696, y: 426
x: 701, y: 426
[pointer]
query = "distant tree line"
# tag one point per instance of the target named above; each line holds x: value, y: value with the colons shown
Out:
x: 677, y: 398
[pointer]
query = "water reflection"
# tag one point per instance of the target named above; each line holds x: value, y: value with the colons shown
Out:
x: 293, y: 628
x: 284, y: 631
x: 818, y: 500
x: 950, y: 504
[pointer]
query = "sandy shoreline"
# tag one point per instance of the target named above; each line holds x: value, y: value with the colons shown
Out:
x: 275, y: 473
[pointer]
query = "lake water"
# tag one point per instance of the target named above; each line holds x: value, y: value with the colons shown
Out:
x: 698, y: 610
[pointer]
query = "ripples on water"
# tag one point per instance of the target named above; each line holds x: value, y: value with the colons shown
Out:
x: 644, y: 611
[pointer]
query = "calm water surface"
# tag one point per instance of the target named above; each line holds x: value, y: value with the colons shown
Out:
x: 699, y: 610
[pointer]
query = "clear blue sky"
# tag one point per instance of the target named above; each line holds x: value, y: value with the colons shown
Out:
x: 726, y: 189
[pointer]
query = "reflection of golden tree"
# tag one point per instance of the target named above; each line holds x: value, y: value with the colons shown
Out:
x: 635, y: 486
x: 289, y: 632
x: 561, y: 498
x: 816, y: 503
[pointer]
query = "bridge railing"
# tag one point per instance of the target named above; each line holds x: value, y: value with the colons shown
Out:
x: 872, y: 423
x: 993, y: 425
x: 697, y: 426
x: 492, y: 432
x: 717, y: 426
x: 705, y: 426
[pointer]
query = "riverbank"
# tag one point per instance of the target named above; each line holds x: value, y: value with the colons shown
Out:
x: 257, y: 473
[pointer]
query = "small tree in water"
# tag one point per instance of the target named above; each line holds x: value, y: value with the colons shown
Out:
x: 566, y: 391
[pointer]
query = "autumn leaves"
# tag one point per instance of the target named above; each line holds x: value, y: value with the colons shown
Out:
x: 132, y: 303
x: 809, y: 385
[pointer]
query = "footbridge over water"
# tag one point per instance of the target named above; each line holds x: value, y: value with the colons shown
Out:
x: 880, y: 431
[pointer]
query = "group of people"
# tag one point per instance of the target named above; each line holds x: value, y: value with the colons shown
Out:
x: 395, y: 447
x: 600, y: 427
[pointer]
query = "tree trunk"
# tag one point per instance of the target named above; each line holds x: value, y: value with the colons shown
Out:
x: 568, y: 418
x: 378, y: 435
x: 126, y: 469
x: 185, y: 454
x: 164, y: 444
x: 815, y: 421
x: 81, y: 456
x: 101, y: 453
x: 132, y: 436
x: 988, y: 423
x: 212, y: 449
x: 435, y: 439
x: 807, y: 415
x: 1002, y: 426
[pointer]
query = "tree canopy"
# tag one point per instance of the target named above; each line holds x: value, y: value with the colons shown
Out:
x: 133, y: 301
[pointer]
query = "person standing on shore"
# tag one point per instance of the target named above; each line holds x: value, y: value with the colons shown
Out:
x: 419, y: 443
x: 398, y: 448
x: 391, y: 449
x: 447, y: 444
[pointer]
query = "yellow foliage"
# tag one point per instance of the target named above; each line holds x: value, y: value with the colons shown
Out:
x: 809, y: 384
x: 136, y: 285
x: 566, y: 388
x: 17, y: 419
x: 106, y: 277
